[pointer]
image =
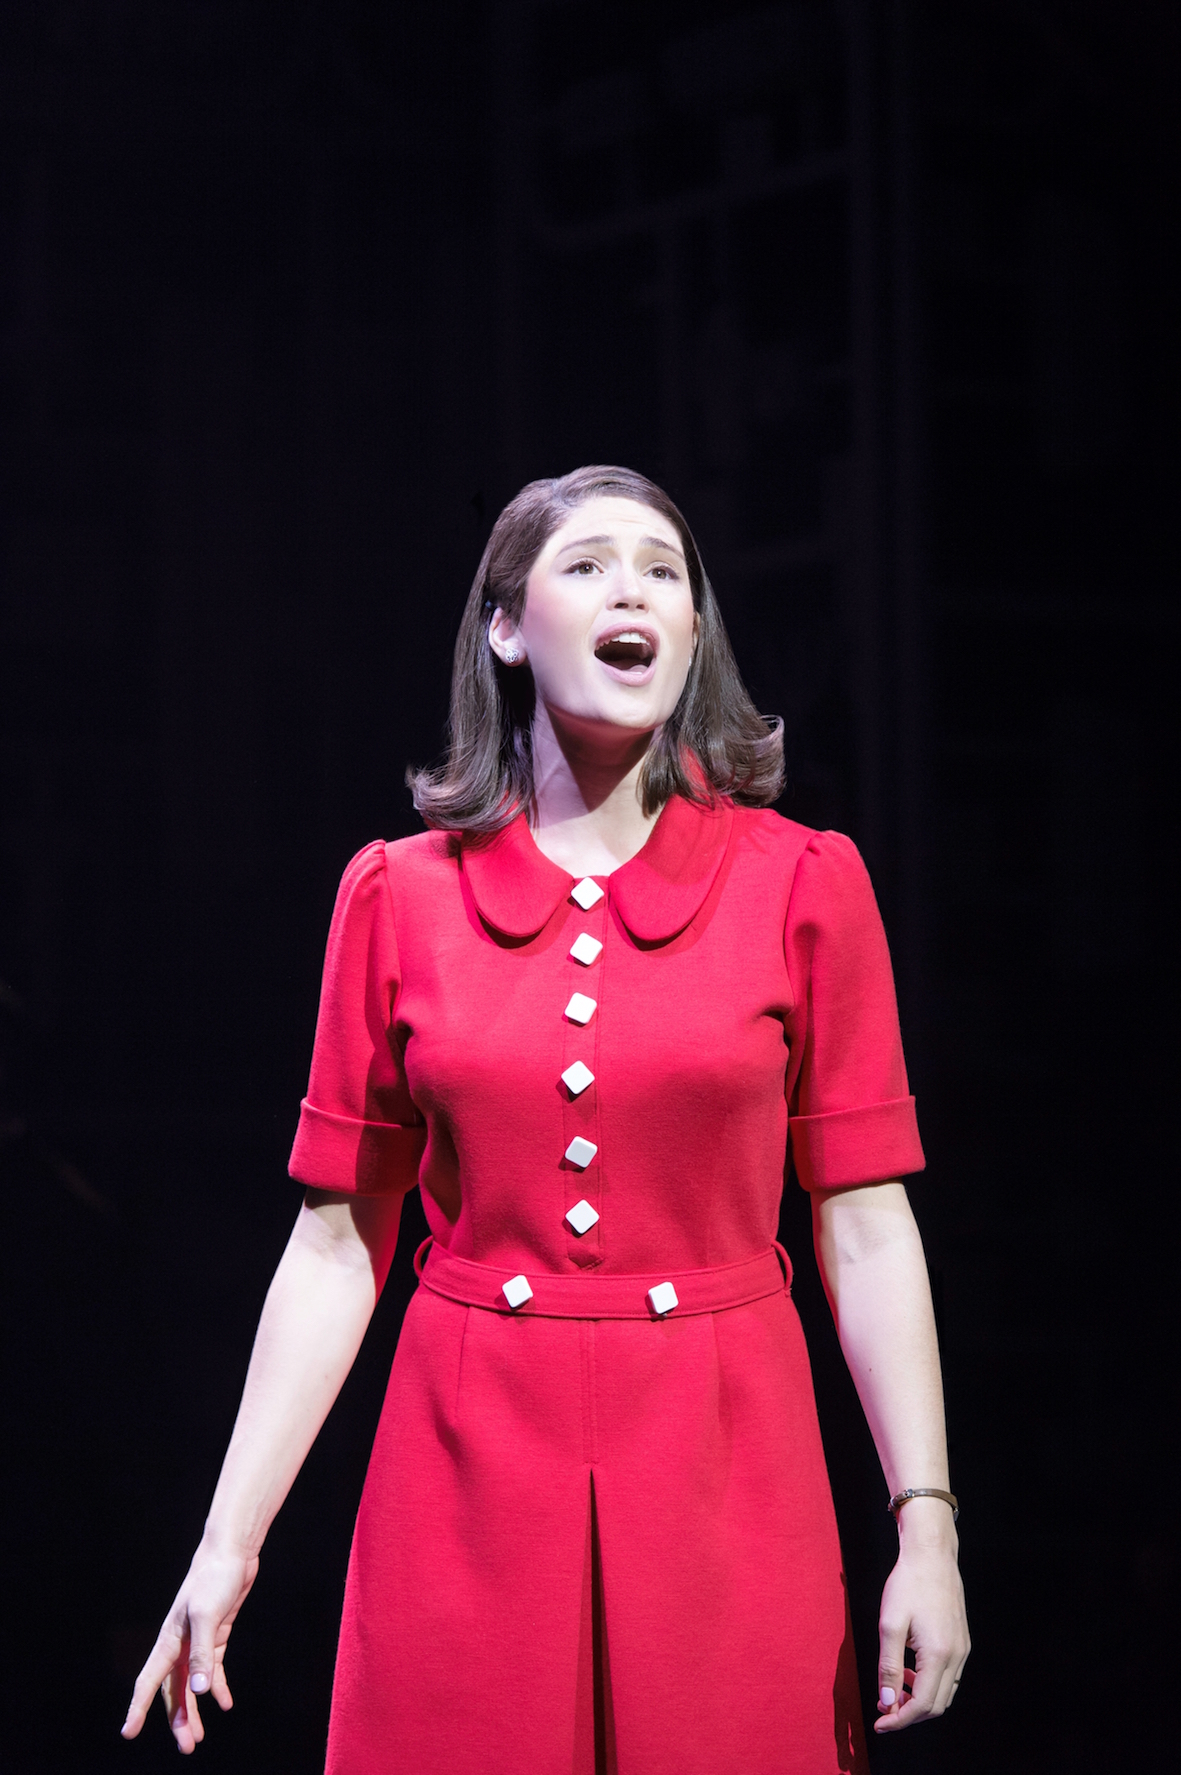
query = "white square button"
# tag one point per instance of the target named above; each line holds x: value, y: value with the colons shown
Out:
x: 582, y: 1217
x: 586, y: 948
x: 588, y: 893
x: 581, y: 1009
x: 662, y: 1299
x: 576, y: 1078
x: 580, y: 1152
x: 517, y: 1291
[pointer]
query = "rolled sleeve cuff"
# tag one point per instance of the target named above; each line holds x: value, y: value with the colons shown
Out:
x: 850, y: 1146
x: 358, y: 1158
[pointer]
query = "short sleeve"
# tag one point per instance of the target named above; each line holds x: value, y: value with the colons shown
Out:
x: 359, y: 1131
x: 851, y: 1115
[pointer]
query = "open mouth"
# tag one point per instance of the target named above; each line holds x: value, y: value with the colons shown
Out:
x: 630, y: 652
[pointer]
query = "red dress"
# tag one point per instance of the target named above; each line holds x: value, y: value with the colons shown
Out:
x: 597, y: 1530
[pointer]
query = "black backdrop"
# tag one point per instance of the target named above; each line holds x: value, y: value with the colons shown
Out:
x: 293, y: 299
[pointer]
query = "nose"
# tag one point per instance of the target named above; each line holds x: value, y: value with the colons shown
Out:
x: 628, y: 593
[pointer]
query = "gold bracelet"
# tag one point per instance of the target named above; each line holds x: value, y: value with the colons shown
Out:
x: 922, y: 1491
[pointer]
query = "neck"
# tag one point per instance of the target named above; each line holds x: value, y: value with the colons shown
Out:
x: 588, y: 817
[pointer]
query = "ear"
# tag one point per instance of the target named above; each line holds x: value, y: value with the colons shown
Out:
x: 696, y: 633
x: 504, y: 639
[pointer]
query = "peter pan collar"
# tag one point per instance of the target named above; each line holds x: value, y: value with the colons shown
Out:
x: 517, y: 889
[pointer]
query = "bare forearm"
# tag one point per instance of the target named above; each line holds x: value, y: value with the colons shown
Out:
x: 316, y: 1313
x: 871, y: 1258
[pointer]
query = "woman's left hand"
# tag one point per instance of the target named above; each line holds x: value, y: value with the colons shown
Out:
x: 923, y: 1608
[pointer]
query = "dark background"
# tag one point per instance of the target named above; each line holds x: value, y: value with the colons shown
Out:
x: 294, y: 297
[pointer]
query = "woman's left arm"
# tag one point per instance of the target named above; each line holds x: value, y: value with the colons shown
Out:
x: 875, y: 1275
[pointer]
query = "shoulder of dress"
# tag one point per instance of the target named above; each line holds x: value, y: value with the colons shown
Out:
x: 439, y: 847
x: 776, y: 830
x: 832, y: 884
x: 763, y: 829
x: 368, y: 862
x: 836, y: 851
x: 815, y: 869
x: 401, y: 859
x: 421, y: 862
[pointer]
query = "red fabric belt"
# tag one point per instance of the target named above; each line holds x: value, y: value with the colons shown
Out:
x: 596, y: 1296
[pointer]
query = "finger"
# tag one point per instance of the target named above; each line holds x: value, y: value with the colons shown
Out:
x: 193, y: 1713
x: 180, y: 1705
x: 203, y: 1629
x: 931, y: 1683
x: 894, y: 1719
x: 221, y: 1688
x: 949, y: 1682
x: 891, y: 1665
x: 957, y: 1676
x: 174, y: 1693
x: 164, y: 1655
x: 945, y: 1693
x: 184, y: 1714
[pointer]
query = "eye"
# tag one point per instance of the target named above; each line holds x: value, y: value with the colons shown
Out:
x: 663, y: 572
x: 585, y: 568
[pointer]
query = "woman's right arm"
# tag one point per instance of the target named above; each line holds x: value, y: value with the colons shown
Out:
x: 312, y: 1324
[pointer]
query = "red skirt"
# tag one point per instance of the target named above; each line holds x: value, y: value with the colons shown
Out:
x: 596, y: 1543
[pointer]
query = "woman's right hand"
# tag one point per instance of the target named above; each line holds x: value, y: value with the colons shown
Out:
x: 316, y: 1311
x: 188, y: 1658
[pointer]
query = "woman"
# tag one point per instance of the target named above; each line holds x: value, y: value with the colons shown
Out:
x: 596, y: 1532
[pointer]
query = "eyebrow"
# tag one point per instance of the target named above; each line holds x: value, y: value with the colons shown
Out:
x: 646, y: 542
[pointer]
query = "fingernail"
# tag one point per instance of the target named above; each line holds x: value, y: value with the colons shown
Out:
x: 887, y: 1698
x: 198, y: 1682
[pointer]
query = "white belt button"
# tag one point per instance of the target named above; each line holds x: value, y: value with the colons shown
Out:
x: 517, y: 1291
x: 588, y: 893
x: 580, y: 1009
x: 577, y: 1077
x: 662, y: 1299
x: 580, y: 1152
x: 586, y: 948
x: 582, y: 1217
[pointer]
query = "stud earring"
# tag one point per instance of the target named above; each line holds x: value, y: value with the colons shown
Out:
x: 511, y: 655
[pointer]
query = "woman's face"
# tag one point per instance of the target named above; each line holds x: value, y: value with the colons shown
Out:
x: 608, y: 626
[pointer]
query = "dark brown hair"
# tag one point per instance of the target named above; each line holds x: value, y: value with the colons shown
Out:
x: 486, y: 777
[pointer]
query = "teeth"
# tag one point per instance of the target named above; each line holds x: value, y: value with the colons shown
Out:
x: 626, y: 649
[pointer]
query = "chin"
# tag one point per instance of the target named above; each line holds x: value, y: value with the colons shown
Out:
x: 636, y: 712
x: 635, y: 718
